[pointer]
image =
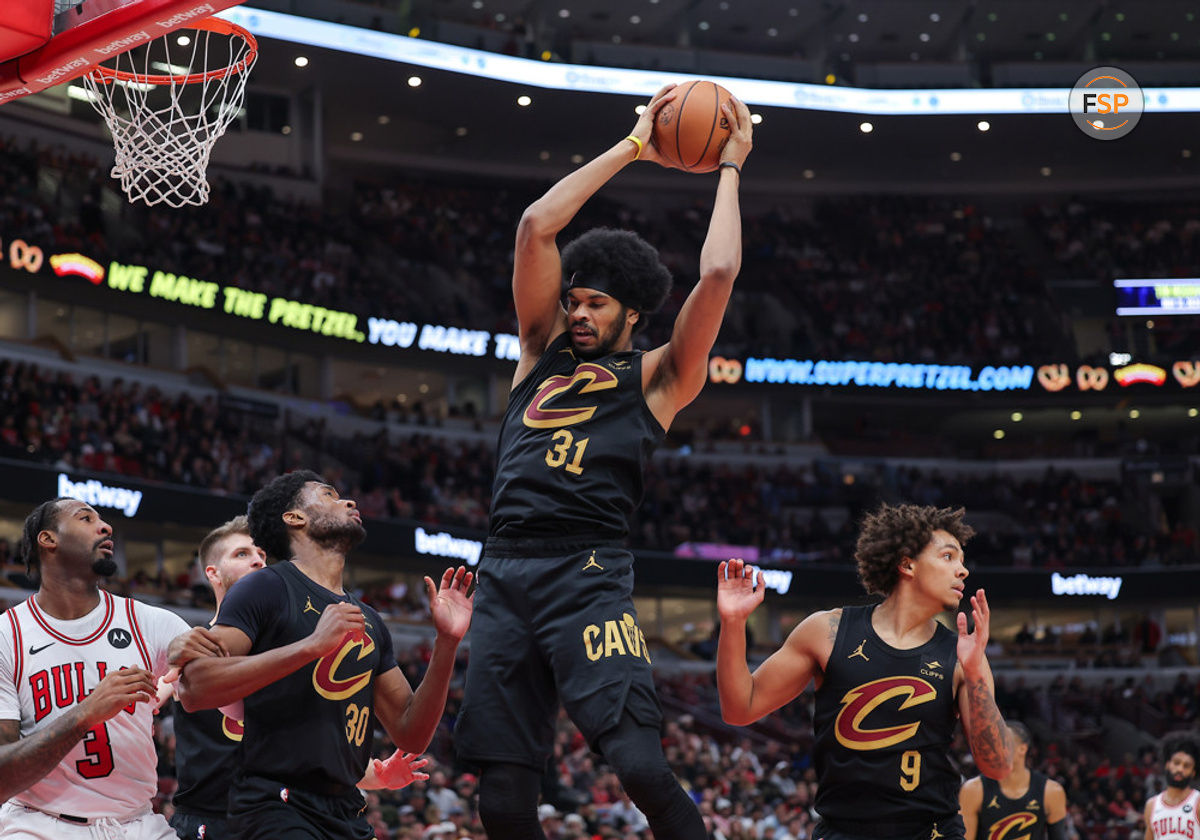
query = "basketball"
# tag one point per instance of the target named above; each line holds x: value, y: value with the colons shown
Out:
x: 691, y: 129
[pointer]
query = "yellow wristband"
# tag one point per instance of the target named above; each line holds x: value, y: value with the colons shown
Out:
x: 637, y: 143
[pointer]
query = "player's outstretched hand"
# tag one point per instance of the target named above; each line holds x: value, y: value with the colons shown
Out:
x: 449, y: 604
x: 741, y: 130
x: 971, y: 646
x: 739, y: 589
x: 197, y: 643
x: 117, y: 690
x: 399, y: 770
x: 337, y: 623
x: 644, y: 129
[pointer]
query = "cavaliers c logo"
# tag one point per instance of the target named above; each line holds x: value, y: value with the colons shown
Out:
x: 325, y: 679
x: 231, y: 728
x: 594, y: 377
x: 860, y: 702
x: 1007, y: 828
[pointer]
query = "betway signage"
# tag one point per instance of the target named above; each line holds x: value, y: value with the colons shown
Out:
x: 442, y: 544
x: 1084, y: 584
x: 100, y: 495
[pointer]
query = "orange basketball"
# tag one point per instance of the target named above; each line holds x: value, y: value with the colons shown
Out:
x: 691, y: 129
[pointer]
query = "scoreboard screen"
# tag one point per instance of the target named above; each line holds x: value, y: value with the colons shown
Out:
x: 1177, y: 296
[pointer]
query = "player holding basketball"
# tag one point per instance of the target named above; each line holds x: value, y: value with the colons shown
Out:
x: 890, y: 680
x: 206, y: 741
x: 1172, y: 814
x: 77, y: 679
x: 315, y: 666
x: 1024, y: 804
x: 555, y: 619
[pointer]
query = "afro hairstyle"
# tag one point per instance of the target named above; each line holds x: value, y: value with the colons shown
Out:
x: 894, y: 532
x: 621, y: 264
x: 267, y: 507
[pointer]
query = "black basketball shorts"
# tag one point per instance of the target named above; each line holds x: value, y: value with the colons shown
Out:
x: 264, y: 809
x: 199, y: 827
x: 550, y: 628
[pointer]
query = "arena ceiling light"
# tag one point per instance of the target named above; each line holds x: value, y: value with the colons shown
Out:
x: 643, y: 83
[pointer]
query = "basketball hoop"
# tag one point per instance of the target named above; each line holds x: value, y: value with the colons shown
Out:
x: 164, y: 124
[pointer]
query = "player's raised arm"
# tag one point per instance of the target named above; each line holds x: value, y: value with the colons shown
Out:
x: 675, y: 372
x: 411, y: 717
x: 747, y: 697
x: 989, y: 737
x: 537, y: 267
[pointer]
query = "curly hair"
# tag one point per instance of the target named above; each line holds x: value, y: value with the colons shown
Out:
x: 43, y: 518
x: 267, y: 507
x: 894, y: 532
x: 1183, y: 744
x: 619, y: 263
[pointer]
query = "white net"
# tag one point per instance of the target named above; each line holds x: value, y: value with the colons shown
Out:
x: 167, y: 102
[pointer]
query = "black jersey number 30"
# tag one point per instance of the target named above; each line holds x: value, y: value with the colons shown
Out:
x: 910, y: 770
x: 560, y: 449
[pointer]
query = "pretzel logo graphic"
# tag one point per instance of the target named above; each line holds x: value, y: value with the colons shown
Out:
x: 1187, y: 374
x: 1091, y: 378
x: 1054, y: 377
x: 721, y: 369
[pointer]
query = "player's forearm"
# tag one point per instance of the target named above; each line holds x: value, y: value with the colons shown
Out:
x: 989, y: 737
x: 26, y: 762
x: 221, y: 680
x: 555, y: 210
x: 419, y: 720
x: 721, y: 254
x: 735, y: 683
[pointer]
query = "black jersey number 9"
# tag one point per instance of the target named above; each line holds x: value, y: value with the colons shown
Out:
x: 910, y: 770
x: 357, y: 718
x: 560, y: 448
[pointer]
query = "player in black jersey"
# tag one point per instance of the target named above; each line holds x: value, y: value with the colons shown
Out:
x: 554, y: 620
x: 890, y: 680
x: 315, y: 668
x: 206, y: 741
x: 1024, y: 805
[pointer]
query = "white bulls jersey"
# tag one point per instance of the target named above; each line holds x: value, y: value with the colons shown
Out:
x: 48, y: 666
x: 1178, y: 822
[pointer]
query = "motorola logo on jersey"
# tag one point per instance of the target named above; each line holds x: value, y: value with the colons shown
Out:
x: 119, y: 637
x: 852, y: 725
x: 1009, y: 827
x: 325, y: 675
x: 615, y: 638
x: 593, y: 378
x: 232, y: 729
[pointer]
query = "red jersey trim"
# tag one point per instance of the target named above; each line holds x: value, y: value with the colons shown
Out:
x: 45, y: 625
x: 137, y: 634
x: 18, y: 646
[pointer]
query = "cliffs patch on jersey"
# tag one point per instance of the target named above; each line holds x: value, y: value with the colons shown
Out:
x: 853, y: 724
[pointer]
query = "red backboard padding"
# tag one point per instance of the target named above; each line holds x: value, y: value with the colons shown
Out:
x: 102, y: 29
x: 25, y: 25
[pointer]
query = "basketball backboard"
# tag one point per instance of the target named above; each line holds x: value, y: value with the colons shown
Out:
x: 40, y: 49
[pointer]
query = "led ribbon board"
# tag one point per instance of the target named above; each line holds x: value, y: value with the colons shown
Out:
x: 1158, y: 297
x: 643, y: 83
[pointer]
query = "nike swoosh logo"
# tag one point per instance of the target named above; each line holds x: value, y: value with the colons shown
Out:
x: 34, y: 651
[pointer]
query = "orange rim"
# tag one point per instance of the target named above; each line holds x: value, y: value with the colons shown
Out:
x: 108, y: 75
